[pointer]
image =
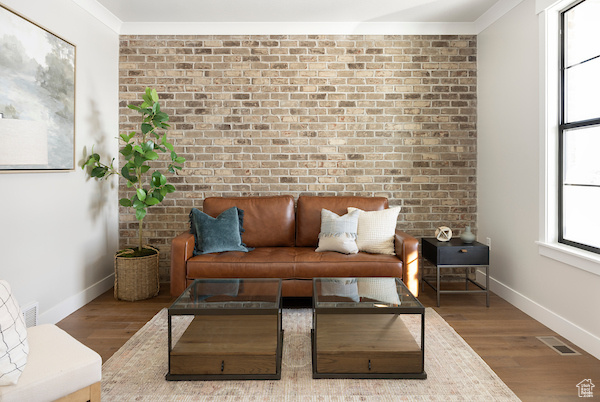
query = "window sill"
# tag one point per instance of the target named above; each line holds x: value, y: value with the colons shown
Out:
x: 575, y: 257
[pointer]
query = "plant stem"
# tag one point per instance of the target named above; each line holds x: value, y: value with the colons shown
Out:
x: 140, y: 232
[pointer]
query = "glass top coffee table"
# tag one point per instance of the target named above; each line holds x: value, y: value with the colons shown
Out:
x: 367, y: 328
x: 233, y: 330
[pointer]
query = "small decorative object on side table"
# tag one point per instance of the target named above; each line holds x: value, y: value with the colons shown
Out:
x: 443, y: 233
x: 455, y: 253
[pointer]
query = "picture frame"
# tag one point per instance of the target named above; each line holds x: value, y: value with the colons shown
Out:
x: 37, y: 101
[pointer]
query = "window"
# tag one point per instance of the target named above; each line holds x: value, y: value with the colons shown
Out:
x: 579, y: 127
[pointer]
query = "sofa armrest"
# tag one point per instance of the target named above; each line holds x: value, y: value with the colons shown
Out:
x: 407, y: 249
x: 182, y: 249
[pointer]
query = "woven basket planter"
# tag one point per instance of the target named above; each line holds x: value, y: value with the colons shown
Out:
x: 136, y: 278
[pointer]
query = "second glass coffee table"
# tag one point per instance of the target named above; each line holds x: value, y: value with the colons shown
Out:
x: 367, y: 328
x: 235, y: 331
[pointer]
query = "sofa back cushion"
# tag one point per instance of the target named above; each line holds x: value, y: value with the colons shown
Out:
x: 308, y: 215
x: 268, y: 221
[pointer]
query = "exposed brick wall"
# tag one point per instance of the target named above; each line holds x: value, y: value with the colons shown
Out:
x: 303, y: 114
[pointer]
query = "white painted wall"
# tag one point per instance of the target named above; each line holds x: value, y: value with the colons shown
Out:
x: 59, y: 231
x: 563, y: 297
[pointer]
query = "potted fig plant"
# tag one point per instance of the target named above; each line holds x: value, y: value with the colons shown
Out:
x: 136, y: 269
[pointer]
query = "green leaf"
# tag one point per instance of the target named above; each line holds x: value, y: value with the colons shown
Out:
x: 99, y: 171
x: 155, y: 107
x: 137, y: 204
x: 134, y: 107
x: 166, y: 143
x: 151, y: 155
x: 140, y: 214
x: 163, y: 179
x: 153, y: 94
x: 139, y: 160
x: 158, y: 194
x: 179, y: 159
x: 127, y: 150
x: 128, y: 174
x: 126, y: 202
x: 170, y: 188
x: 146, y: 128
x: 89, y: 162
x: 161, y: 117
x: 138, y: 149
x: 152, y: 201
x: 145, y: 168
x: 141, y: 194
x: 124, y: 137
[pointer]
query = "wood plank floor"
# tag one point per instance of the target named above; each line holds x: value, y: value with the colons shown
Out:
x: 502, y: 335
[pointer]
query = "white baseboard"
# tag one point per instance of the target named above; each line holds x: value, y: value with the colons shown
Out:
x: 565, y: 328
x: 75, y: 302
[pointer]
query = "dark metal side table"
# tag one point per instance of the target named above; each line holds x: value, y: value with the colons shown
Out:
x: 456, y: 254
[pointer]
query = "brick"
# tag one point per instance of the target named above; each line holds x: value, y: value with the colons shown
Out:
x: 391, y: 115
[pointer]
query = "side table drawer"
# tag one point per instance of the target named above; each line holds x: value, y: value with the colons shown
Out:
x: 463, y: 255
x: 455, y: 252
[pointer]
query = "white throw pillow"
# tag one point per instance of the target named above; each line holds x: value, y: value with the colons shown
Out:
x: 376, y: 230
x: 338, y: 233
x: 13, y: 337
x: 381, y: 289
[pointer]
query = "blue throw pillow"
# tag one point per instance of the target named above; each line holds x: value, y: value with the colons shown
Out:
x: 215, y: 235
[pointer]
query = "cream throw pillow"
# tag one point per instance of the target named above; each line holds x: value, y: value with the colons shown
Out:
x: 376, y: 230
x: 13, y: 337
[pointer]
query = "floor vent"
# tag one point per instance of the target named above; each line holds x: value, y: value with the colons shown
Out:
x: 558, y: 346
x: 30, y: 314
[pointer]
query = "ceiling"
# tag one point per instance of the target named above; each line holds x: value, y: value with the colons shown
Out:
x: 319, y: 11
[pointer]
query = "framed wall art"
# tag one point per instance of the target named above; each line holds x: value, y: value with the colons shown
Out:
x: 37, y: 97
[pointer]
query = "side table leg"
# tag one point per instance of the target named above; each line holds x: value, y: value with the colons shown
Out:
x: 487, y: 285
x: 437, y: 283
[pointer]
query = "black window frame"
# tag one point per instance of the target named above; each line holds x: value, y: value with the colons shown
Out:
x: 564, y: 126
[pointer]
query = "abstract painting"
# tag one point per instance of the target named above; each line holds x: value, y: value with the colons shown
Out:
x: 37, y: 97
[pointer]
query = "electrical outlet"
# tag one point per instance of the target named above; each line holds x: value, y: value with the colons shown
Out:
x: 488, y: 241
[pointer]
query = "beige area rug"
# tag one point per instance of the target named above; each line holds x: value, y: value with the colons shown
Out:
x: 136, y: 372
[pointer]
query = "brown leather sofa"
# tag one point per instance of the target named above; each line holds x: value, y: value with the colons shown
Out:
x: 284, y: 240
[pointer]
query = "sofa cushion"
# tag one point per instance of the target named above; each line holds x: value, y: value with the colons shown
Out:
x: 308, y: 214
x: 268, y: 221
x: 58, y: 366
x: 331, y: 264
x: 214, y: 235
x: 262, y: 262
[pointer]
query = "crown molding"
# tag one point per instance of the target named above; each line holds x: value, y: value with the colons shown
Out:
x: 296, y: 28
x: 495, y: 12
x: 299, y: 28
x: 101, y: 13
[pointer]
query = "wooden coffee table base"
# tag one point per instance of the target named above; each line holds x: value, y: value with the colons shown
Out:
x: 364, y: 346
x: 216, y: 347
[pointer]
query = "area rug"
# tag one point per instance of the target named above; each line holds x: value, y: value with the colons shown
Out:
x: 136, y: 372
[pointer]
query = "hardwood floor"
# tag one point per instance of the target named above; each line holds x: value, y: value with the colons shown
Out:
x: 502, y: 335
